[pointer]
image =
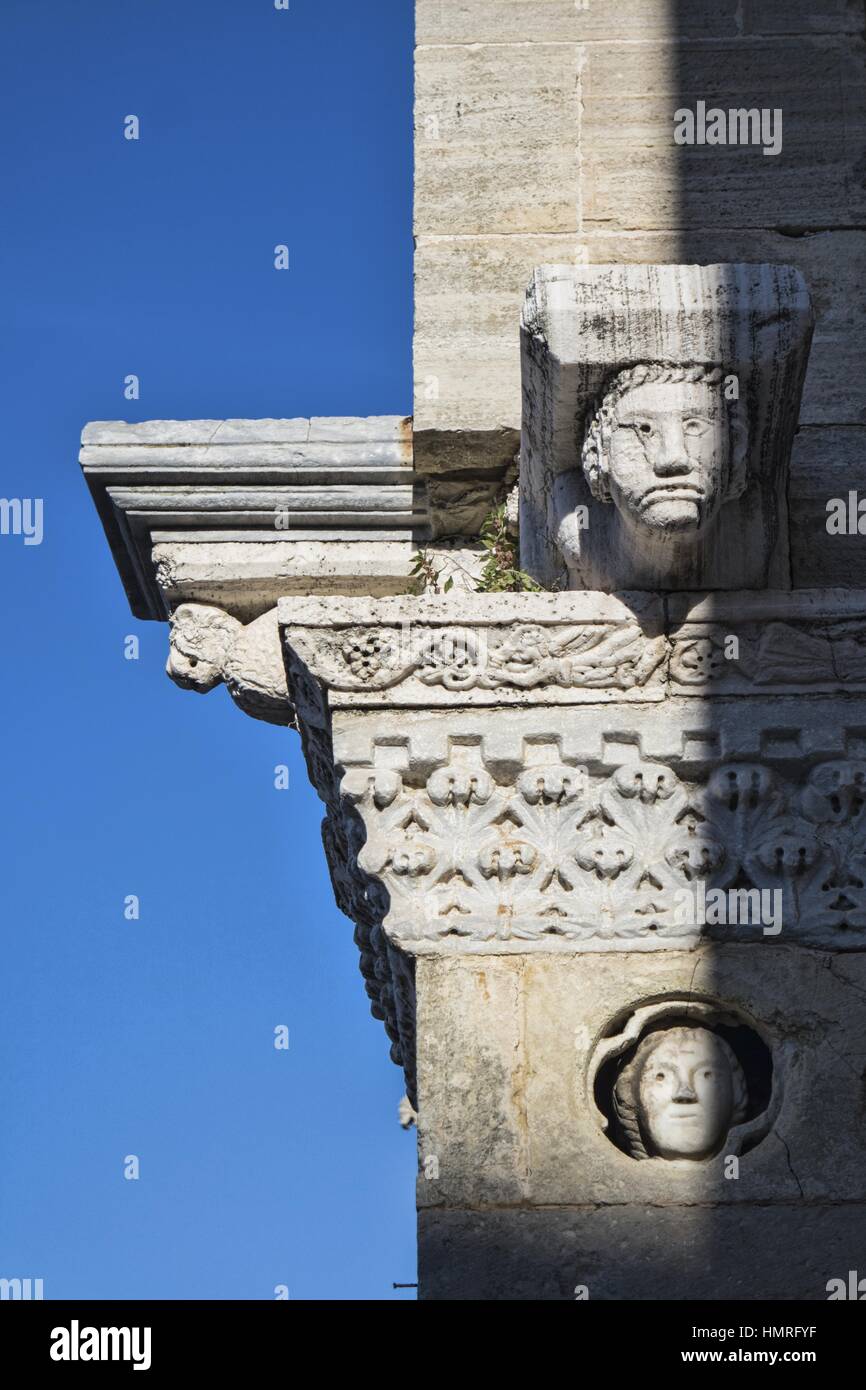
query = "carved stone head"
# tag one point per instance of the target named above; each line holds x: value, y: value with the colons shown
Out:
x: 200, y: 639
x: 666, y: 448
x: 672, y: 484
x: 680, y: 1095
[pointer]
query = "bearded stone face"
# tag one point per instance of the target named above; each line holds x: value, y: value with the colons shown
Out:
x: 665, y: 458
x: 666, y: 451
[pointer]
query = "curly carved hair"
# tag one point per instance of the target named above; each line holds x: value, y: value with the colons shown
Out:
x: 597, y: 432
x: 625, y: 1095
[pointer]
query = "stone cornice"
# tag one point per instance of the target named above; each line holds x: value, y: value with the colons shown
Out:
x: 294, y: 492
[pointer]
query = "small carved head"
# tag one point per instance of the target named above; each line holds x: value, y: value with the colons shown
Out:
x: 666, y: 447
x: 200, y: 639
x: 680, y: 1094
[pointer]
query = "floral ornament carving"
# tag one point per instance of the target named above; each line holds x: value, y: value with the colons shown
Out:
x: 834, y: 802
x: 527, y: 656
x: 421, y: 663
x: 604, y: 860
x: 368, y: 653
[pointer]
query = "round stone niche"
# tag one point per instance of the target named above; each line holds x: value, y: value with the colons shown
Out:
x: 683, y: 1080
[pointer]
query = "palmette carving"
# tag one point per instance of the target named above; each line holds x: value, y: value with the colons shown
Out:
x: 454, y: 829
x: 599, y: 861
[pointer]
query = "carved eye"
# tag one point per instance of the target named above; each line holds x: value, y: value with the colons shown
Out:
x: 644, y: 427
x: 660, y: 1076
x: 694, y: 426
x: 707, y: 1075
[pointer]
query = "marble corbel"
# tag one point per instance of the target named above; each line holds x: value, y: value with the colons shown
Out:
x: 659, y: 408
x: 208, y: 647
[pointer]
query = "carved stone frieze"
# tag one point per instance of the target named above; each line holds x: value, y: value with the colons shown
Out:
x: 497, y: 665
x: 519, y: 649
x: 811, y: 655
x: 543, y: 773
x: 563, y: 857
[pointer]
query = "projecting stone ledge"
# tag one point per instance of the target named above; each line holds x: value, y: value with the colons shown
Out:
x: 237, y: 513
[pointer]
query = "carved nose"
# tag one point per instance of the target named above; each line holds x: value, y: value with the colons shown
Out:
x: 672, y: 465
x: 672, y: 458
x: 685, y: 1096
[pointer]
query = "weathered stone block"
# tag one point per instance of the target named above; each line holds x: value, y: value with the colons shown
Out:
x: 246, y: 578
x: 826, y: 464
x: 483, y: 116
x: 562, y: 21
x: 474, y: 1120
x: 802, y: 17
x: 468, y: 296
x: 636, y: 177
x: 535, y: 1068
x: 786, y: 1252
x: 830, y: 265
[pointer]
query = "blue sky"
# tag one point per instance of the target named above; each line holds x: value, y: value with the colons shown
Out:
x: 155, y: 1037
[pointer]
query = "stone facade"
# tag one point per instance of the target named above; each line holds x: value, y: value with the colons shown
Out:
x: 531, y: 1198
x: 603, y: 843
x: 585, y: 171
